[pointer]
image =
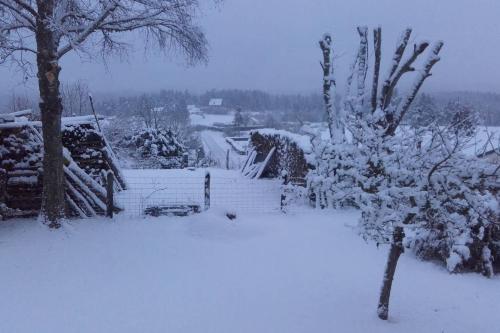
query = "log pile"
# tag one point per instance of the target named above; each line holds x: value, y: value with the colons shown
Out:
x: 273, y: 154
x: 87, y: 158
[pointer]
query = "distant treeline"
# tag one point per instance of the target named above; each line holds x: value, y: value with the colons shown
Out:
x: 296, y: 106
x: 283, y: 107
x: 487, y: 105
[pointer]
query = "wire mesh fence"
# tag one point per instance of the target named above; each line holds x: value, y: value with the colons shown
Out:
x: 145, y: 192
x: 151, y: 191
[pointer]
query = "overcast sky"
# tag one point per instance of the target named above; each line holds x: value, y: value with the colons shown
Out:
x: 272, y: 45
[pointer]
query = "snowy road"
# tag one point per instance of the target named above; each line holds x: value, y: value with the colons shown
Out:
x: 216, y: 146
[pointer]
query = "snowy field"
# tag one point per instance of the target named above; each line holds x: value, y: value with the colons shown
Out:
x: 207, y: 119
x: 259, y: 273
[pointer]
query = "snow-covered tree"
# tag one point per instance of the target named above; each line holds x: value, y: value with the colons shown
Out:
x: 155, y: 148
x: 404, y: 179
x: 49, y: 29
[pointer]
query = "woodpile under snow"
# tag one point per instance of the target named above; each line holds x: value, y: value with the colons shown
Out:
x: 276, y: 153
x: 87, y: 156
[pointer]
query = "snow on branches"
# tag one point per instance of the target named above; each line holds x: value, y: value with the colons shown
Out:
x: 413, y: 185
x: 419, y: 181
x: 155, y: 148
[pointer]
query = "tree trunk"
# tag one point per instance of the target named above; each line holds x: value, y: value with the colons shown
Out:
x: 51, y: 110
x: 390, y: 269
x: 326, y: 48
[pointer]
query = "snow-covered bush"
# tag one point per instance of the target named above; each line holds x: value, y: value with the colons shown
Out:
x: 331, y: 181
x: 152, y: 148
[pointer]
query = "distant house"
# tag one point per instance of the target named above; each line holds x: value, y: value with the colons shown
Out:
x: 215, y: 102
x: 216, y: 106
x: 159, y: 109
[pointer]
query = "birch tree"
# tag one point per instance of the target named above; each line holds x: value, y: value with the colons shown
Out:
x: 41, y: 32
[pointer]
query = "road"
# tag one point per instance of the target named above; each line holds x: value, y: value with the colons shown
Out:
x: 216, y: 146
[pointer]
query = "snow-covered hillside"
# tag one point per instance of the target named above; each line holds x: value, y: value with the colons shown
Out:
x: 259, y: 273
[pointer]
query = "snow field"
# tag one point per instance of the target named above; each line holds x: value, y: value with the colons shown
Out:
x: 259, y: 273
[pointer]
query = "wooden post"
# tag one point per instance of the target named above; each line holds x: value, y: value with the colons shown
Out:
x: 109, y: 194
x: 207, y: 190
x: 283, y: 193
x: 3, y: 184
x: 227, y: 159
x: 95, y: 114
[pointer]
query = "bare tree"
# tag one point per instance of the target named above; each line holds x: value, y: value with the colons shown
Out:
x: 49, y: 29
x: 75, y: 98
x: 19, y: 102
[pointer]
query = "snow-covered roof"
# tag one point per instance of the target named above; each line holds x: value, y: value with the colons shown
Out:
x: 215, y: 102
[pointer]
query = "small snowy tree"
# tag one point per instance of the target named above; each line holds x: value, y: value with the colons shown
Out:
x: 367, y: 160
x: 406, y: 179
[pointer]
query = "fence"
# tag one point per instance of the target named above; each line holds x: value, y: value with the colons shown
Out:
x: 149, y: 190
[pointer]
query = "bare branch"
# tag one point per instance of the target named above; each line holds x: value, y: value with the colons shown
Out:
x: 398, y: 55
x: 377, y: 42
x: 362, y: 63
x: 423, y: 74
x: 80, y: 38
x: 17, y: 9
x: 405, y: 68
x: 328, y: 81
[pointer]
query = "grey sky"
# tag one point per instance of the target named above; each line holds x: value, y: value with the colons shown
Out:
x: 272, y: 45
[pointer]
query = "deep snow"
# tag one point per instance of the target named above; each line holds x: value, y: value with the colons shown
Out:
x: 259, y: 273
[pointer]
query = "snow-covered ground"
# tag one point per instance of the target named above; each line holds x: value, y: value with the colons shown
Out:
x: 259, y: 273
x: 215, y: 144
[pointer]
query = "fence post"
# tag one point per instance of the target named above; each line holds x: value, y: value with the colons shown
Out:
x: 3, y: 185
x: 207, y: 190
x: 283, y: 192
x: 109, y: 194
x: 227, y: 159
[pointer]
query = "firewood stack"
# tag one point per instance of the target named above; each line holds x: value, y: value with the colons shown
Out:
x: 87, y: 158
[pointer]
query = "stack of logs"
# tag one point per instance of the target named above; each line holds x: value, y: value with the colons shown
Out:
x: 87, y: 159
